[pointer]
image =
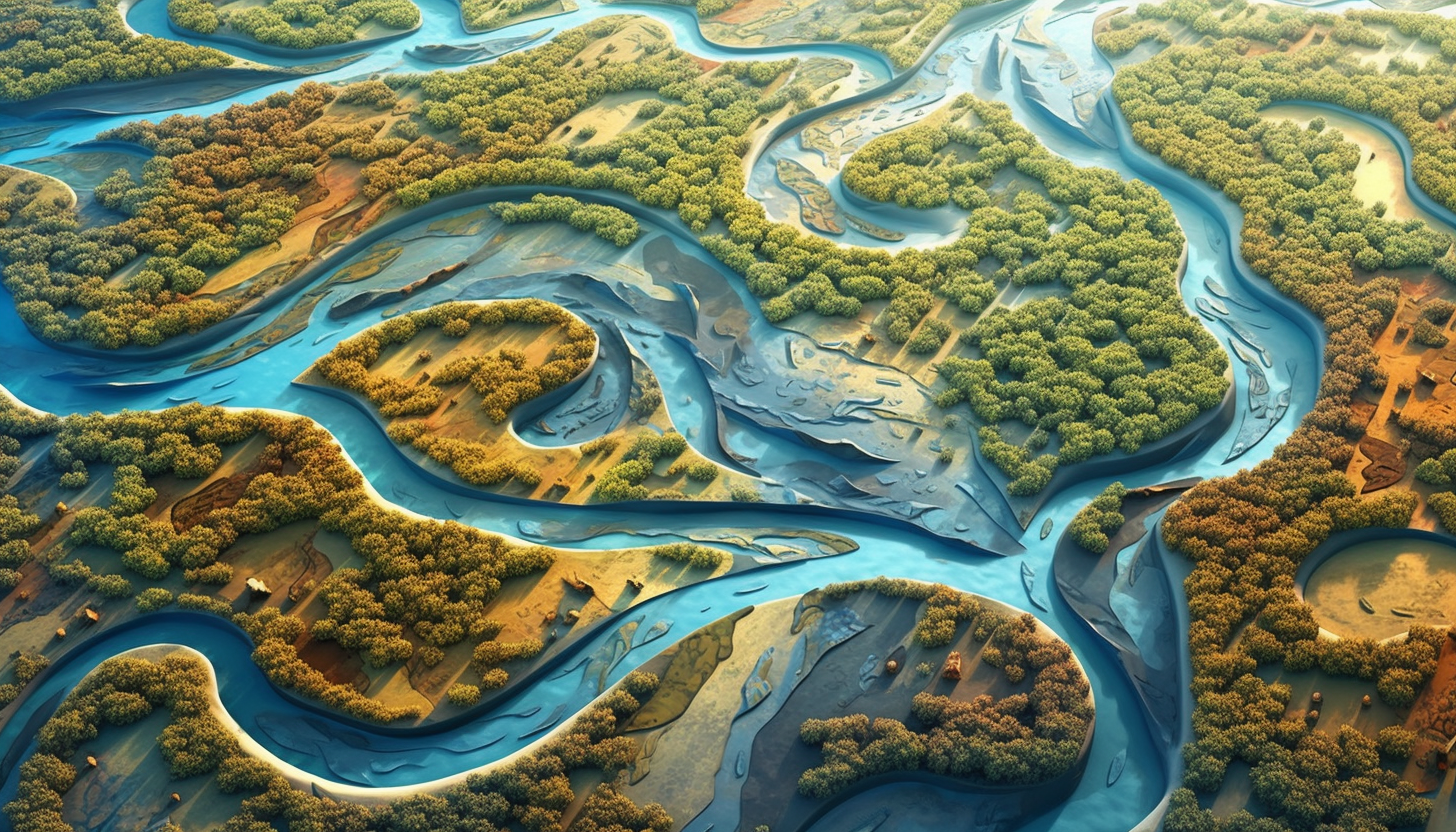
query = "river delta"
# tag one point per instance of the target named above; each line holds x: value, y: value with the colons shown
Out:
x: 561, y: 482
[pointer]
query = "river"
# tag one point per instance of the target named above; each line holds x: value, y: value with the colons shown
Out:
x: 1210, y: 223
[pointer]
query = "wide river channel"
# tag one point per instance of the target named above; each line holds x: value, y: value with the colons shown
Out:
x: 1211, y: 224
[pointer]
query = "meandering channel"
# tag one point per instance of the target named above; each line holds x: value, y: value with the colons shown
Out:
x: 330, y: 746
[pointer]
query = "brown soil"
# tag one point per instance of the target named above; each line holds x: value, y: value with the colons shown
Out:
x: 218, y: 494
x: 1435, y: 708
x: 338, y: 665
x: 566, y: 475
x: 749, y: 11
x: 191, y: 505
x: 336, y: 229
x: 1433, y: 718
x: 1387, y: 464
x: 317, y: 568
x: 1364, y: 410
x: 689, y: 664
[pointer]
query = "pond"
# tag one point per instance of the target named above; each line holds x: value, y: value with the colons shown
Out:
x: 1417, y: 578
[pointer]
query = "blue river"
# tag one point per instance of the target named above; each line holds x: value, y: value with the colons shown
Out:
x: 1210, y: 223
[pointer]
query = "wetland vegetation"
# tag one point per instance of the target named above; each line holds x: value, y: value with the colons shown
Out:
x: 577, y: 232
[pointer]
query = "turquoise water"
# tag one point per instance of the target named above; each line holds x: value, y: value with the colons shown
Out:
x: 330, y: 750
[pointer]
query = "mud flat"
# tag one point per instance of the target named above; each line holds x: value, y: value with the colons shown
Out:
x: 721, y: 740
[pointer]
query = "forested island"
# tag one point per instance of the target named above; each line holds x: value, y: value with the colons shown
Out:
x: 47, y: 47
x: 295, y: 25
x: 436, y: 376
x: 685, y: 157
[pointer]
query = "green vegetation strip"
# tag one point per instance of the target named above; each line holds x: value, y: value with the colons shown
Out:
x: 1197, y: 107
x: 295, y: 24
x: 423, y: 587
x: 46, y: 47
x: 531, y: 792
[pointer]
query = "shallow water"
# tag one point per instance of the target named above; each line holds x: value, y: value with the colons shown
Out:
x: 1047, y: 105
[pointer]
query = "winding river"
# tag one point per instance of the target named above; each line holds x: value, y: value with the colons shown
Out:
x: 332, y: 750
